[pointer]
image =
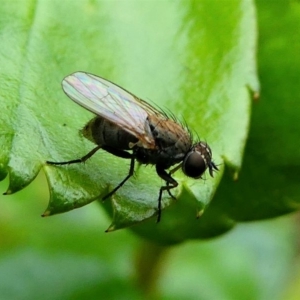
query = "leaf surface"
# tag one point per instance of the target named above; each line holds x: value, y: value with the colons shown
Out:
x: 196, y: 59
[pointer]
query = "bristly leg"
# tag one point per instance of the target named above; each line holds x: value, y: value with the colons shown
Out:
x: 116, y: 152
x: 130, y: 173
x: 170, y: 175
x: 75, y: 161
x: 170, y: 184
x: 169, y: 192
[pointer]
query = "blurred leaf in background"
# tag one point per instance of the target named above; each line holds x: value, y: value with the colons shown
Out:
x: 68, y: 256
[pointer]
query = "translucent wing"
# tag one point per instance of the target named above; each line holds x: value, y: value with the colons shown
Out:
x: 112, y: 103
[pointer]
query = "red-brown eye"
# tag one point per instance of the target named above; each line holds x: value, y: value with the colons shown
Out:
x: 194, y: 165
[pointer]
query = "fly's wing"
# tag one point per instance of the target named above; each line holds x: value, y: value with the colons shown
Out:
x: 112, y: 103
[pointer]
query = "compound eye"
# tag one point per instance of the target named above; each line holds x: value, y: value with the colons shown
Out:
x: 194, y: 165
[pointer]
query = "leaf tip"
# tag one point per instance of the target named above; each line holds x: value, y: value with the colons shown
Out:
x: 47, y: 213
x: 199, y: 213
x: 236, y: 176
x: 111, y: 228
x: 8, y: 192
x: 254, y: 92
x: 256, y: 96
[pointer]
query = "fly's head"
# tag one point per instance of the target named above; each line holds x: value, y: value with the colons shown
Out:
x: 197, y: 160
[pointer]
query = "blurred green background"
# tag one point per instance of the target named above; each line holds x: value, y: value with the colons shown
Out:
x: 69, y: 256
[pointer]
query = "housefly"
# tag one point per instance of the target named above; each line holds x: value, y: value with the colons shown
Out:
x: 128, y: 127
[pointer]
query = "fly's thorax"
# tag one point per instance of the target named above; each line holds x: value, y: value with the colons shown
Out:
x: 105, y: 133
x: 172, y: 142
x: 169, y: 134
x: 197, y: 160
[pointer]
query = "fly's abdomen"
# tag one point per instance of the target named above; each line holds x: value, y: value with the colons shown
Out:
x: 104, y: 133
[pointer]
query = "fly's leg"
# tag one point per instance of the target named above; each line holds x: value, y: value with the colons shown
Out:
x: 169, y: 192
x: 170, y: 173
x: 75, y: 161
x: 123, y: 154
x: 116, y: 152
x: 170, y: 184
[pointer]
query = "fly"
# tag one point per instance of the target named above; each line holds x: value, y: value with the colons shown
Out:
x: 130, y: 128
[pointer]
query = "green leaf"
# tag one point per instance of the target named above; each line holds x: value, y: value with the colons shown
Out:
x: 195, y: 58
x: 269, y: 183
